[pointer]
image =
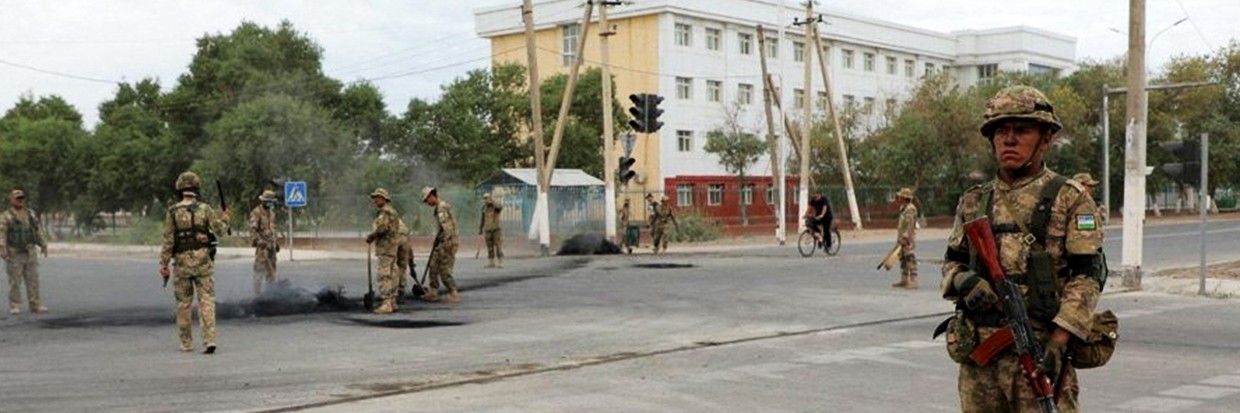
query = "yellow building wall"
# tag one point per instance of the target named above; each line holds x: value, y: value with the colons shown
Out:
x: 634, y: 66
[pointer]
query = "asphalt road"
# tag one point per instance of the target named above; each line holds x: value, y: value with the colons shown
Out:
x: 754, y: 329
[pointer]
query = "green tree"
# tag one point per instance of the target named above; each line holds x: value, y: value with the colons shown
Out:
x: 134, y: 147
x: 737, y: 149
x: 582, y: 144
x: 46, y: 152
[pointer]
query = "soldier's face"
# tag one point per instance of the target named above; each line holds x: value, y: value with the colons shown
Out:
x: 1018, y: 143
x: 378, y: 201
x: 18, y: 201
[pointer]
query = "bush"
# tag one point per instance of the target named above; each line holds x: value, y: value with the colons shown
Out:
x: 695, y: 227
x: 143, y: 231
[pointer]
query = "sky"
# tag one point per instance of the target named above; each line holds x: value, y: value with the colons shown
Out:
x: 79, y: 49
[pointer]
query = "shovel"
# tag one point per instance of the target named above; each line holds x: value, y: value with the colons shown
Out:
x: 417, y: 289
x: 890, y: 259
x: 368, y: 300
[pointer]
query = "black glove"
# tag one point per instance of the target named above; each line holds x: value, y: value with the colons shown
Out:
x: 371, y: 238
x: 978, y: 295
x: 1052, y: 359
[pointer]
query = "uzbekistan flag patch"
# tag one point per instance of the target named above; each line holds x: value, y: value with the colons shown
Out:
x: 1086, y: 223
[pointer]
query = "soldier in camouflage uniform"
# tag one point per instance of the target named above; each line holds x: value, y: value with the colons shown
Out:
x: 443, y: 256
x: 1020, y: 124
x: 1090, y: 184
x: 20, y: 234
x: 660, y: 222
x: 404, y: 257
x: 490, y: 228
x: 387, y: 237
x: 190, y: 230
x: 264, y: 239
x: 906, y: 236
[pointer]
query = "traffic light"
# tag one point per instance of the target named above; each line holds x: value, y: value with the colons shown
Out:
x: 645, y: 112
x: 626, y: 172
x: 1188, y: 168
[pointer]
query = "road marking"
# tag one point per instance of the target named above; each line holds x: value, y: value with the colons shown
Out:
x: 1232, y: 381
x: 1193, y: 391
x: 917, y: 345
x: 1157, y: 404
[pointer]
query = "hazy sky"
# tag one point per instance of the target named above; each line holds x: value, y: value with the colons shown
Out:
x: 91, y: 44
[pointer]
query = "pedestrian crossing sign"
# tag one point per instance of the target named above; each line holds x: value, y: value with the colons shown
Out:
x: 295, y: 194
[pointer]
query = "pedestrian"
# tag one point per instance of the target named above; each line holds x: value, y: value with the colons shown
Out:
x: 626, y: 212
x: 660, y: 223
x: 21, y: 235
x: 822, y: 217
x: 1048, y: 243
x: 386, y: 237
x: 265, y: 240
x: 443, y: 254
x: 906, y: 236
x: 489, y: 227
x: 191, y: 228
x: 1090, y: 184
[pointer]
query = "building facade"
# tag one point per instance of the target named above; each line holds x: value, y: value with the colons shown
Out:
x: 703, y: 58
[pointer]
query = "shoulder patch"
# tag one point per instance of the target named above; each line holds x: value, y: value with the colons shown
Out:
x: 1086, y: 222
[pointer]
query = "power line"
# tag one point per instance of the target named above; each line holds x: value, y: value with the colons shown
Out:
x: 60, y: 74
x: 1194, y: 23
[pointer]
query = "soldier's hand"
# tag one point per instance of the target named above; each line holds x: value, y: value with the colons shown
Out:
x: 370, y: 238
x: 226, y: 215
x: 904, y: 242
x: 1052, y: 359
x: 978, y: 295
x: 164, y: 272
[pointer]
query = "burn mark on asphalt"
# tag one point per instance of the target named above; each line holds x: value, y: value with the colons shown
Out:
x: 663, y: 265
x: 401, y: 323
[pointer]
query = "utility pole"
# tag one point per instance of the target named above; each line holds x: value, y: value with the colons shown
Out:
x: 839, y: 135
x: 1134, y: 165
x: 609, y: 151
x: 776, y: 156
x: 1106, y: 154
x: 807, y: 121
x: 1204, y: 206
x: 527, y: 15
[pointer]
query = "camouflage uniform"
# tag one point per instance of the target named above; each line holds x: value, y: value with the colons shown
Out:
x: 1090, y: 183
x: 387, y: 237
x: 21, y: 240
x: 1072, y: 243
x: 906, y: 236
x: 264, y: 239
x: 660, y: 221
x: 189, y: 226
x: 443, y: 257
x: 490, y: 228
x: 404, y: 256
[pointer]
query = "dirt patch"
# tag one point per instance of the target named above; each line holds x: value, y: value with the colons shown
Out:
x: 1222, y: 271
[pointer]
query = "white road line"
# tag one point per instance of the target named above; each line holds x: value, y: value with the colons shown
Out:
x: 1192, y: 391
x: 1157, y: 404
x: 917, y: 345
x: 1232, y: 381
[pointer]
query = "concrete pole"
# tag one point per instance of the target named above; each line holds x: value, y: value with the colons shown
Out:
x: 807, y: 120
x: 1106, y: 153
x: 610, y: 162
x: 1134, y: 166
x: 839, y: 135
x: 772, y: 140
x: 536, y: 132
x: 1204, y: 205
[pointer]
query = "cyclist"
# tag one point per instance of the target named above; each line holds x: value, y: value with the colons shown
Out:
x: 820, y: 218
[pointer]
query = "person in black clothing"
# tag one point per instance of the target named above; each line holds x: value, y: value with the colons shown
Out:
x: 822, y: 217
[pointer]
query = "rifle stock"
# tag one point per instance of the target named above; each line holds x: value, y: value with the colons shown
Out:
x: 982, y: 239
x: 223, y: 202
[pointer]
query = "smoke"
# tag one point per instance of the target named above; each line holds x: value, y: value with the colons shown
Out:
x: 588, y: 244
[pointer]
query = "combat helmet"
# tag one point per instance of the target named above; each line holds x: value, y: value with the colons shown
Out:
x: 1019, y: 102
x: 188, y: 181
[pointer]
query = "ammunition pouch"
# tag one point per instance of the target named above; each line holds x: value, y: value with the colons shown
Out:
x: 1043, y: 296
x: 1096, y: 350
x: 961, y: 336
x: 21, y: 236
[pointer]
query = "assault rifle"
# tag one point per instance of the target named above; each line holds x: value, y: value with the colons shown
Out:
x: 1028, y: 348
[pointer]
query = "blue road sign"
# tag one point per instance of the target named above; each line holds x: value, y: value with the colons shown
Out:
x: 295, y: 194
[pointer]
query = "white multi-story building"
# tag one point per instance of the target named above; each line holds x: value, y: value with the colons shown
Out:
x: 702, y: 56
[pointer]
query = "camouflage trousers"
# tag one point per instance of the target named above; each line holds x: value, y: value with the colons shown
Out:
x: 388, y: 280
x: 404, y: 258
x: 188, y: 280
x: 442, y: 261
x: 659, y: 238
x: 23, y: 267
x: 1002, y: 387
x: 908, y: 265
x: 264, y: 268
x: 495, y: 243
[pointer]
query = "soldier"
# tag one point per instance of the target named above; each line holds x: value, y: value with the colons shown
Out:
x: 265, y: 240
x: 660, y: 221
x: 626, y: 212
x: 20, y: 231
x: 906, y: 236
x: 1055, y: 250
x: 190, y: 231
x: 385, y: 234
x: 1090, y: 183
x: 443, y: 254
x: 493, y: 233
x: 404, y: 257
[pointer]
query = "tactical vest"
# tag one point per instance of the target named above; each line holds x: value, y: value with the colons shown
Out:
x: 21, y: 235
x: 187, y: 239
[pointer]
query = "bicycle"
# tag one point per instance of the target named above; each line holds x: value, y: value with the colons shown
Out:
x: 810, y: 240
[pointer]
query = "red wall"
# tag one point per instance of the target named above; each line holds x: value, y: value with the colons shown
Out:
x: 729, y: 211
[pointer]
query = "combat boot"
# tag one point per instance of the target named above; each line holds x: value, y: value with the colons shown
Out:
x: 453, y: 297
x: 912, y: 283
x: 15, y: 310
x: 431, y: 296
x: 491, y: 264
x: 387, y: 308
x: 903, y: 283
x: 39, y: 309
x: 499, y: 263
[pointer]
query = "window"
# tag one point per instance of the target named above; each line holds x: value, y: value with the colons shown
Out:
x: 985, y: 72
x: 821, y: 101
x: 684, y: 195
x: 826, y: 51
x: 850, y: 100
x: 684, y: 140
x: 744, y: 93
x: 908, y: 67
x: 770, y: 194
x: 869, y: 62
x: 714, y: 39
x: 569, y: 34
x: 714, y: 194
x: 891, y: 65
x: 684, y: 35
x: 798, y: 98
x: 1037, y: 69
x: 847, y: 55
x: 929, y: 69
x: 747, y: 194
x: 745, y: 42
x: 684, y: 88
x: 772, y: 48
x: 798, y: 51
x: 714, y: 90
x: 868, y: 107
x: 892, y: 105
